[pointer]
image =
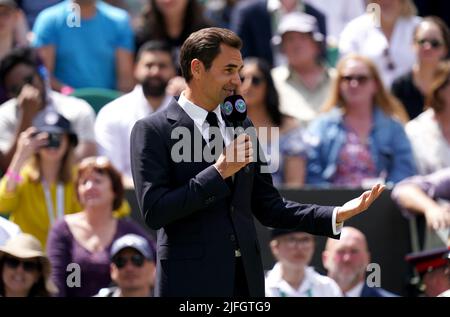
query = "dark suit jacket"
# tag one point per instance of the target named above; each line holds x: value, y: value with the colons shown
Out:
x: 253, y: 23
x: 194, y: 211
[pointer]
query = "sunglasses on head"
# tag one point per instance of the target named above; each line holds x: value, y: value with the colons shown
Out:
x: 29, y: 266
x: 137, y: 260
x: 255, y: 80
x: 361, y: 79
x: 433, y: 42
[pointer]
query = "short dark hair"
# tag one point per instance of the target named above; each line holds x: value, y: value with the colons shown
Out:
x: 205, y: 46
x: 18, y: 56
x: 154, y: 46
x: 102, y: 165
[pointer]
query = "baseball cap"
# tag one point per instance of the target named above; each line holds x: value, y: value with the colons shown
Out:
x: 133, y: 241
x: 298, y: 22
x: 53, y: 122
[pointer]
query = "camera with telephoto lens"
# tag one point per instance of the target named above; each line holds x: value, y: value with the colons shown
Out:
x: 54, y: 139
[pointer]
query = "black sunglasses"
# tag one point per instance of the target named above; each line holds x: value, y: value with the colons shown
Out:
x: 255, y: 80
x: 29, y: 266
x: 433, y: 42
x: 361, y: 79
x: 137, y: 260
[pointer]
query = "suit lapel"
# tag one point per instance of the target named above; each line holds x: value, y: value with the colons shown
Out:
x: 179, y: 118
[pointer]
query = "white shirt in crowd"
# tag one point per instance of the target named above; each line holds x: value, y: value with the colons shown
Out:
x: 337, y: 13
x: 364, y: 37
x: 431, y: 149
x: 356, y: 291
x: 114, y: 124
x: 313, y: 285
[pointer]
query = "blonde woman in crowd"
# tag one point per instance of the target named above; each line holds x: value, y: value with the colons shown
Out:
x: 386, y: 36
x: 24, y: 268
x: 360, y: 138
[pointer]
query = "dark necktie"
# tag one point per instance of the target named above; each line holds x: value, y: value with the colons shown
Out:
x: 211, y: 118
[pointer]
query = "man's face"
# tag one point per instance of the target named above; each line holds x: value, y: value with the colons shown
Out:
x: 136, y: 274
x: 299, y: 48
x: 294, y: 250
x: 153, y: 71
x: 347, y: 259
x: 21, y: 75
x: 221, y: 79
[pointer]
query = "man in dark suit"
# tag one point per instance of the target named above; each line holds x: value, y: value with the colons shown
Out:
x: 346, y: 260
x: 256, y: 23
x: 203, y: 209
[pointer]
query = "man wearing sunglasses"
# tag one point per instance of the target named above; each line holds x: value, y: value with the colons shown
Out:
x: 26, y: 83
x: 132, y: 268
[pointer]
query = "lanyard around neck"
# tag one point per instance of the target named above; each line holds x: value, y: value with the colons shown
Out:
x: 49, y: 202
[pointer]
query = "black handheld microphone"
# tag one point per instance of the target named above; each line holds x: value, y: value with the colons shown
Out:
x: 235, y: 110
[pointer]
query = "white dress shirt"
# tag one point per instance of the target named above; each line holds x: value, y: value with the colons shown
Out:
x: 114, y: 124
x: 198, y: 115
x: 313, y: 285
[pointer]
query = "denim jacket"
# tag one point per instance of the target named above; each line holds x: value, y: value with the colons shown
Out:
x: 390, y: 148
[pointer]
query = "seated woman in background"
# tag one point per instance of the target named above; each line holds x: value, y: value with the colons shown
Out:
x: 261, y: 97
x: 171, y: 21
x: 24, y: 268
x: 431, y: 45
x: 359, y: 139
x: 37, y: 188
x: 86, y: 237
x: 429, y: 133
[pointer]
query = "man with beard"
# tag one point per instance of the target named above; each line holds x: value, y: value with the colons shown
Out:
x: 346, y: 261
x: 153, y: 70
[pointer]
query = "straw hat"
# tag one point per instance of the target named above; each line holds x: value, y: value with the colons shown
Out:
x: 26, y: 246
